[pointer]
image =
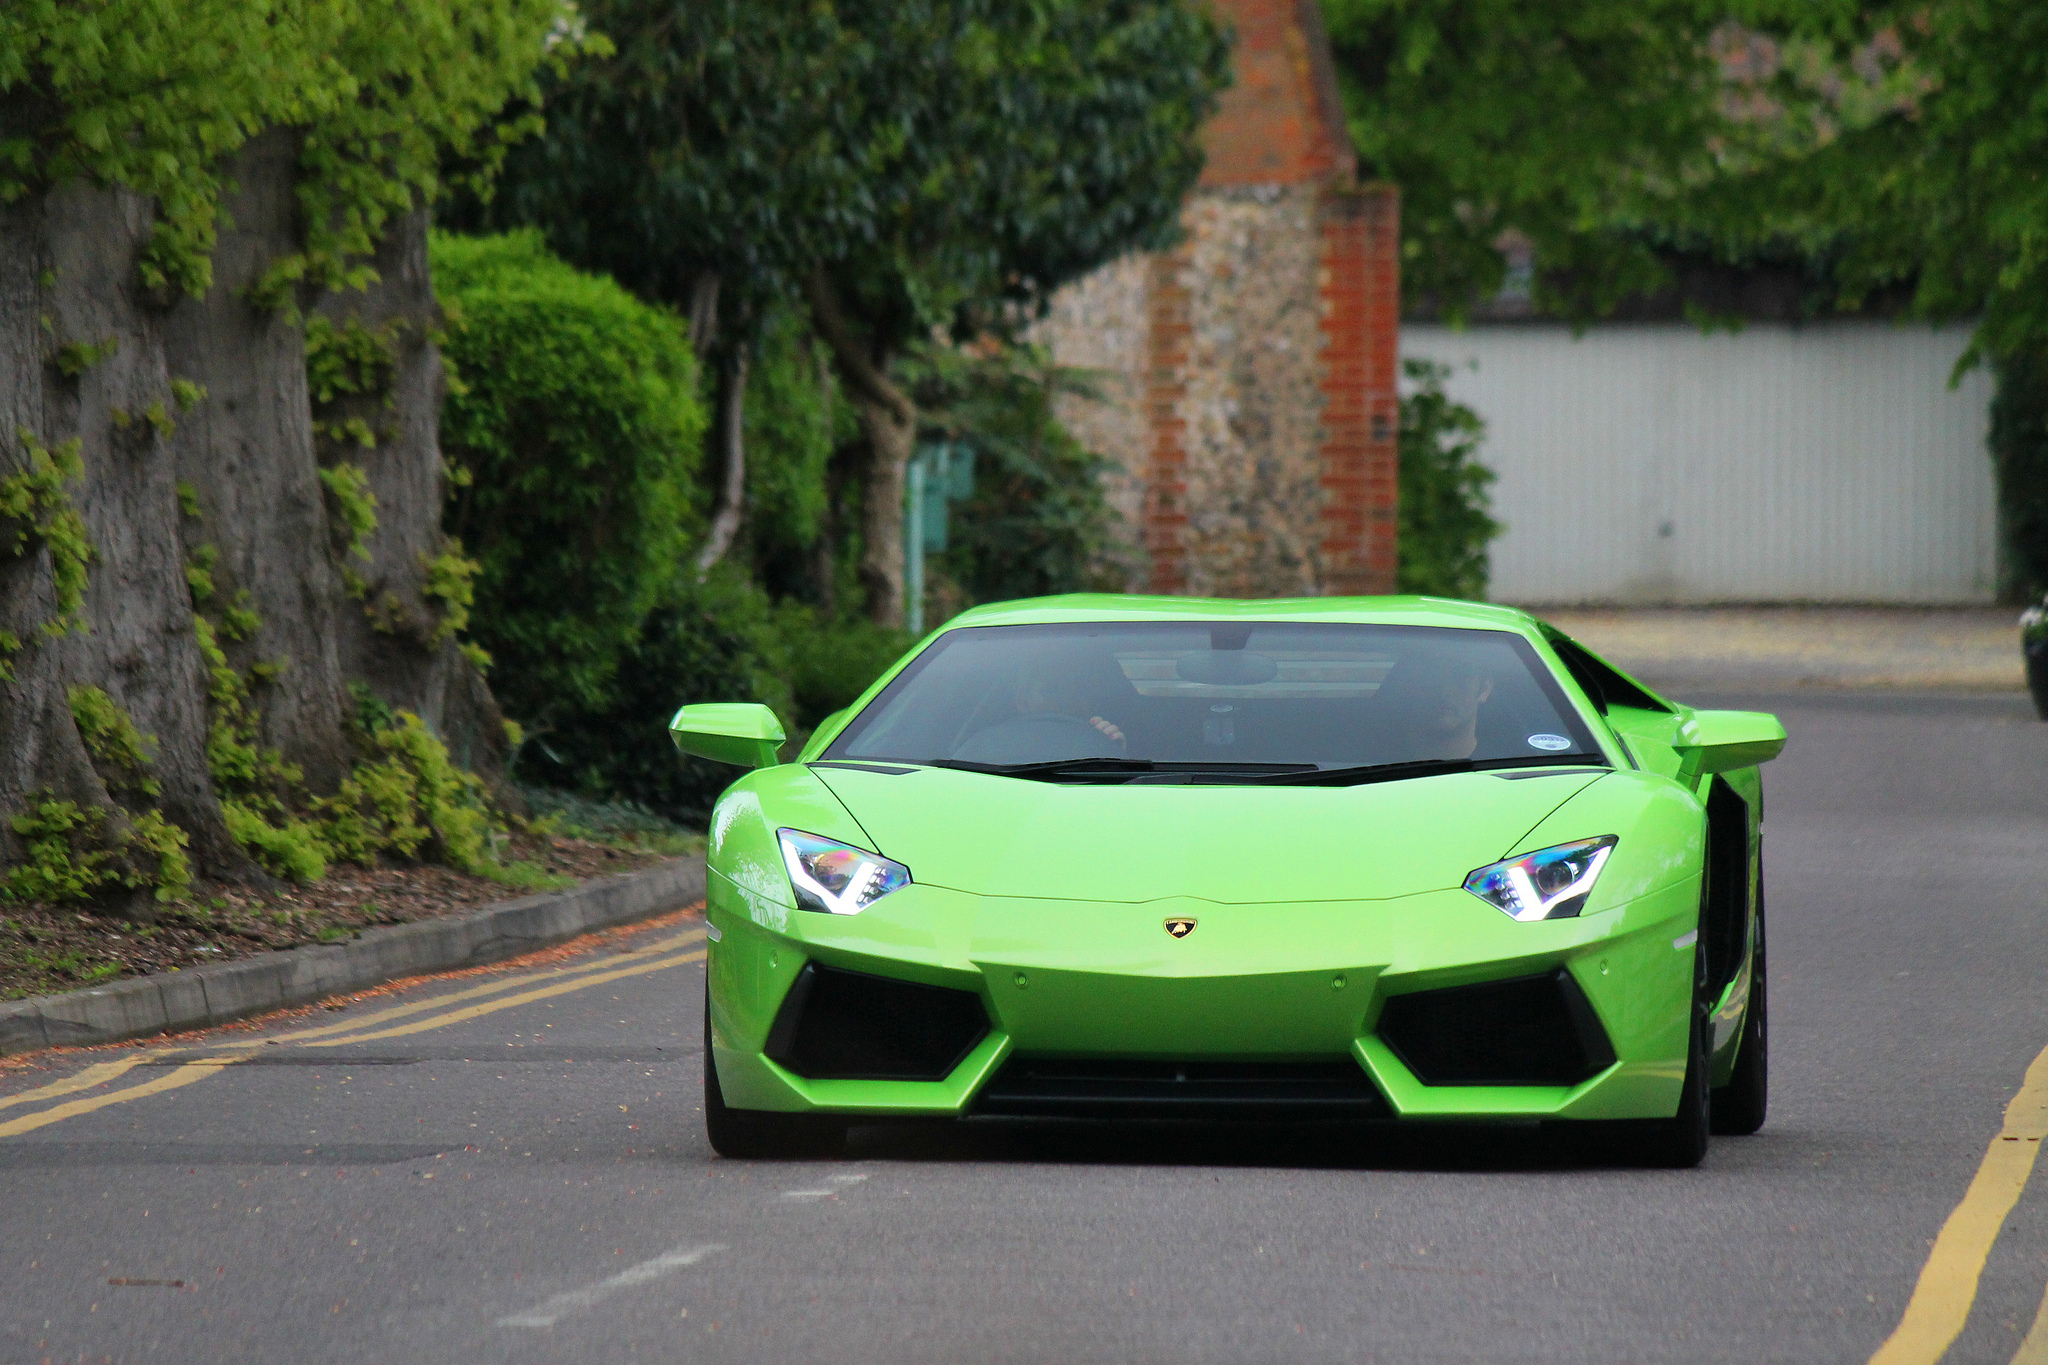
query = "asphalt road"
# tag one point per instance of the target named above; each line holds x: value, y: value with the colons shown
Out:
x: 512, y: 1168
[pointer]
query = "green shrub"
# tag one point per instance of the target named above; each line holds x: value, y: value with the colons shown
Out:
x: 72, y: 857
x: 623, y: 824
x: 1444, y: 526
x: 794, y: 420
x: 1037, y: 521
x: 575, y: 427
x: 2019, y: 455
x: 719, y: 640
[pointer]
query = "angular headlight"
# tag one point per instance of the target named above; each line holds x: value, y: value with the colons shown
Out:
x: 836, y: 878
x: 1552, y: 883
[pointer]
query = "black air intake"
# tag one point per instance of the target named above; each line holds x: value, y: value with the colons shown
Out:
x: 1530, y: 1030
x: 850, y: 1026
x: 1280, y: 1092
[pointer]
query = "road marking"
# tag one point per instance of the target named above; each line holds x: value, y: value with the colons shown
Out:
x: 1940, y: 1305
x: 576, y: 1300
x: 197, y: 1070
x: 833, y: 1185
x: 524, y: 998
x: 2034, y: 1350
x: 86, y: 1079
x: 511, y: 982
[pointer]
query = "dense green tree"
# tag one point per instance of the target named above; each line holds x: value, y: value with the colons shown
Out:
x: 1562, y: 122
x: 899, y: 164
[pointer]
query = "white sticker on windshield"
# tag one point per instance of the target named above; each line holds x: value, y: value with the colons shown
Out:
x: 1552, y: 743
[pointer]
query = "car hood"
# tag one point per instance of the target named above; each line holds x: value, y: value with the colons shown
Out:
x: 1007, y: 836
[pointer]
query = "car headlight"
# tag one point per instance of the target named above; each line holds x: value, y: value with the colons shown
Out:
x: 1552, y: 883
x: 835, y: 878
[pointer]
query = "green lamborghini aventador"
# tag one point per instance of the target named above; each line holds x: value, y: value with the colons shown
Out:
x: 1392, y: 859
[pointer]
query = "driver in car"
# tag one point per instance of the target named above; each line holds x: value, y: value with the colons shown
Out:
x: 1056, y: 692
x: 1429, y: 708
x: 1054, y: 703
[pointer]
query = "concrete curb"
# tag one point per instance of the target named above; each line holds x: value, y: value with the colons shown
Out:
x: 173, y: 1002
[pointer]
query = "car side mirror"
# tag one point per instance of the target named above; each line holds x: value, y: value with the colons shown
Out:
x: 1721, y: 741
x: 744, y: 733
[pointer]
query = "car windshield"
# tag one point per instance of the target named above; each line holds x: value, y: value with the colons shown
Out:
x: 1247, y: 698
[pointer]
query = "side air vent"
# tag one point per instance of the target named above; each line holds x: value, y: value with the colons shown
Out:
x: 1040, y: 1087
x: 1529, y: 1030
x: 841, y: 1025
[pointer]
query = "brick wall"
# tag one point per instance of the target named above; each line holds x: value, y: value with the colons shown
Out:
x: 1248, y: 376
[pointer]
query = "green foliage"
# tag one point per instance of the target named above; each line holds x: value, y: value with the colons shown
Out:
x: 925, y: 152
x: 121, y: 751
x: 187, y: 395
x: 451, y: 583
x: 1444, y: 527
x: 353, y: 505
x: 2019, y: 454
x: 288, y: 847
x: 188, y: 501
x: 1037, y: 522
x: 350, y: 360
x: 579, y: 426
x: 70, y: 855
x: 1558, y: 120
x: 199, y: 573
x: 153, y: 95
x: 410, y: 801
x: 719, y: 640
x: 258, y: 778
x: 622, y: 824
x: 35, y: 506
x: 1942, y: 188
x: 792, y: 421
x: 406, y: 799
x: 79, y: 356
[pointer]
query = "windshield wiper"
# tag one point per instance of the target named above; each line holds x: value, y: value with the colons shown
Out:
x: 1424, y: 767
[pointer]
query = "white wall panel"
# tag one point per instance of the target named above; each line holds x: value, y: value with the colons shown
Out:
x: 1651, y: 463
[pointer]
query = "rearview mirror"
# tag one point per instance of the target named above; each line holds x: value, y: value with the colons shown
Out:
x: 1721, y: 741
x: 744, y: 733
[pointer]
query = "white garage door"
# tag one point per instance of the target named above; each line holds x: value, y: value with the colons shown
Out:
x: 1651, y: 463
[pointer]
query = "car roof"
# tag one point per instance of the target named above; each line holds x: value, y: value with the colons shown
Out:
x: 1402, y: 611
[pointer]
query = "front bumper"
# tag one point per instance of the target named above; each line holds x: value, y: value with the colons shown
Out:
x: 1285, y: 984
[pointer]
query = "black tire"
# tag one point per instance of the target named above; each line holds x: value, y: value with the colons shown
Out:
x: 757, y: 1134
x: 1739, y: 1107
x: 1680, y: 1142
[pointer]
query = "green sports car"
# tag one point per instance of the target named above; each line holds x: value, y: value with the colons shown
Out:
x: 1386, y: 859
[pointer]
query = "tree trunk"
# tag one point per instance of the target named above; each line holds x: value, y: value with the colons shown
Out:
x: 889, y: 421
x: 892, y: 439
x: 67, y: 277
x: 394, y: 639
x: 247, y: 451
x: 732, y: 494
x: 231, y: 486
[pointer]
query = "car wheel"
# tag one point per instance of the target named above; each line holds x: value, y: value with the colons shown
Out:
x: 758, y: 1134
x: 1680, y: 1141
x: 1740, y: 1105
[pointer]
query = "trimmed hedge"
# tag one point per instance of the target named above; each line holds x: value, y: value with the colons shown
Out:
x: 573, y: 430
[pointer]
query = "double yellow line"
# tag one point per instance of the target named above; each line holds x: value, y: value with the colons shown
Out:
x: 654, y: 957
x: 1940, y: 1307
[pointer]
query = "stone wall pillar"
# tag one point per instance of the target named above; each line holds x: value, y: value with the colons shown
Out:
x: 1361, y: 294
x: 1248, y: 375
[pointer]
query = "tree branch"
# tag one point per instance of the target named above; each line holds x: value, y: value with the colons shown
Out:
x: 854, y: 363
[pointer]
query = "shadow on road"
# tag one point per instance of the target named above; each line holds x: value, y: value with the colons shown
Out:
x: 1462, y: 1147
